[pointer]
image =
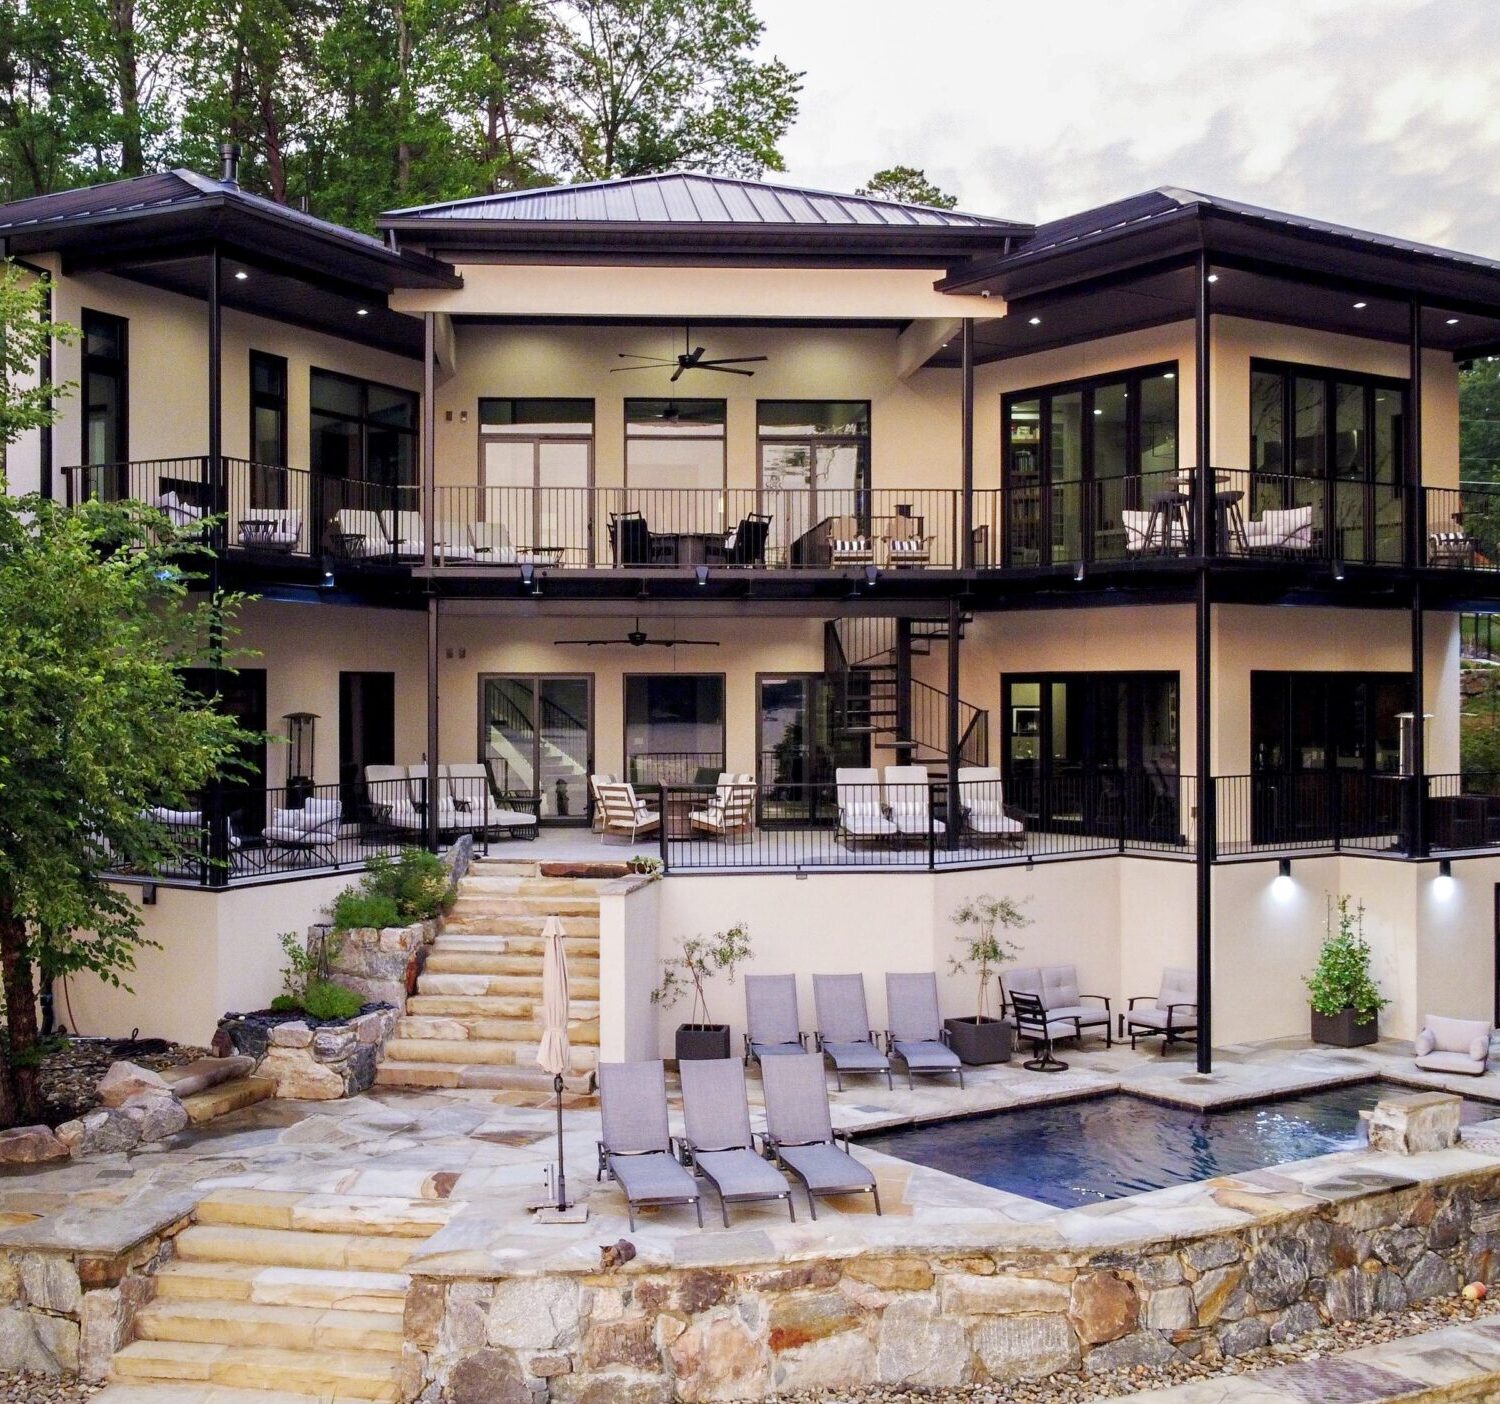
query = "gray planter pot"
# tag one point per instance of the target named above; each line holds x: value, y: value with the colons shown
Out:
x: 702, y: 1041
x: 1341, y: 1031
x: 979, y: 1043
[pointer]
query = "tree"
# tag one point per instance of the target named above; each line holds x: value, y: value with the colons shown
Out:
x: 97, y: 724
x: 908, y: 185
x: 1478, y: 460
x: 657, y: 85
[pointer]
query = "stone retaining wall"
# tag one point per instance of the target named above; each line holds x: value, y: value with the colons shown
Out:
x: 927, y: 1318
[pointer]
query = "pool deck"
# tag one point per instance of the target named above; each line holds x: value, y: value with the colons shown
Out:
x: 485, y: 1153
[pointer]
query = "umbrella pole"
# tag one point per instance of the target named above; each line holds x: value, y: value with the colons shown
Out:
x: 562, y: 1184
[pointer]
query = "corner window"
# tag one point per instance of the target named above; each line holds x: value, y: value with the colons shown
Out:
x: 268, y: 424
x: 363, y: 430
x: 105, y: 388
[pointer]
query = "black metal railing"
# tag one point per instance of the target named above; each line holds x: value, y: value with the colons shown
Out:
x: 1462, y: 527
x: 1463, y: 811
x: 1278, y: 813
x: 681, y: 768
x: 798, y: 826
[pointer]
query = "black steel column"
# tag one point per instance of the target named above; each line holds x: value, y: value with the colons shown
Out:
x: 1416, y: 517
x: 1203, y: 526
x: 216, y: 869
x: 955, y: 628
x: 1416, y: 542
x: 1417, y: 824
x: 902, y: 699
x: 429, y: 518
x: 966, y: 506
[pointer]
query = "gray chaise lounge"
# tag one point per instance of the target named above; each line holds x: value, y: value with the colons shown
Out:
x: 771, y: 1017
x: 844, y: 1035
x: 636, y: 1147
x: 719, y: 1142
x: 916, y: 1033
x: 799, y: 1131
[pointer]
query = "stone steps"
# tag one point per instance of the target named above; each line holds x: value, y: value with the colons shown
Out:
x: 493, y: 944
x: 234, y: 1243
x: 491, y: 1052
x: 231, y: 1096
x: 583, y: 1030
x: 526, y: 1077
x: 383, y: 1215
x: 271, y: 1369
x: 475, y: 963
x: 282, y: 1286
x: 258, y: 1324
x: 500, y: 986
x: 481, y: 921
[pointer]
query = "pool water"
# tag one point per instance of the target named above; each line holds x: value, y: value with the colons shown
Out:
x: 1076, y: 1153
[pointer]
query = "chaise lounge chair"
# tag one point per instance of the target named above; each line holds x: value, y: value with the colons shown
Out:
x: 916, y: 1034
x: 476, y: 810
x: 861, y: 814
x: 981, y: 797
x: 1454, y: 1045
x: 799, y: 1131
x: 718, y: 1142
x: 635, y: 1148
x: 1172, y: 1013
x: 908, y: 792
x: 771, y: 1017
x: 844, y: 1035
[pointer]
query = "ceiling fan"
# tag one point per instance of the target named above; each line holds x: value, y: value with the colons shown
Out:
x: 638, y: 638
x: 692, y: 358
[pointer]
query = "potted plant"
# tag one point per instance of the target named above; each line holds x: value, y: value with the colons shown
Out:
x: 1345, y: 1000
x: 983, y: 1038
x: 702, y: 958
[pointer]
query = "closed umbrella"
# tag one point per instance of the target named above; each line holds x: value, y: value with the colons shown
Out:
x: 553, y: 1055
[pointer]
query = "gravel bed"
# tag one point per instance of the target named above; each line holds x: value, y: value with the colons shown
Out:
x: 43, y: 1389
x: 71, y: 1073
x: 1076, y: 1388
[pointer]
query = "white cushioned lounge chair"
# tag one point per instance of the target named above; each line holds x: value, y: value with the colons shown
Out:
x: 1454, y: 1045
x: 981, y: 795
x: 861, y: 813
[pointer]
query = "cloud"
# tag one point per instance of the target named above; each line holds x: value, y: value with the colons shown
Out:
x: 1383, y: 114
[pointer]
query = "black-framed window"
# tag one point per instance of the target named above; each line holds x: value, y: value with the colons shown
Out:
x: 362, y: 430
x: 675, y: 444
x: 106, y: 388
x: 814, y: 455
x: 674, y: 728
x: 1079, y: 453
x: 268, y: 430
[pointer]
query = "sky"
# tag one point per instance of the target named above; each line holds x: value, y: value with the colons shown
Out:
x: 1382, y: 114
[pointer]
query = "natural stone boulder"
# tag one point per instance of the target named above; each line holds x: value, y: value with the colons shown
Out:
x: 330, y: 1045
x: 30, y: 1145
x: 101, y: 1132
x: 891, y: 1274
x: 967, y: 1295
x: 810, y: 1316
x: 50, y: 1281
x: 1295, y: 1321
x: 300, y: 1078
x: 1431, y: 1277
x: 1218, y: 1293
x: 1025, y: 1347
x: 919, y: 1347
x: 719, y: 1359
x: 1278, y: 1273
x: 203, y: 1073
x: 1237, y: 1337
x: 126, y: 1080
x: 44, y: 1345
x: 292, y: 1034
x: 1171, y: 1309
x: 1143, y: 1348
x: 488, y: 1377
x: 1103, y: 1307
x: 158, y: 1115
x: 1412, y: 1125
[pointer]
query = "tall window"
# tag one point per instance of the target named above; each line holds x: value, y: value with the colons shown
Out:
x: 815, y: 458
x: 1077, y: 455
x: 535, y: 469
x: 674, y: 728
x: 674, y: 444
x: 105, y: 388
x: 363, y: 430
x: 1334, y: 442
x: 268, y: 430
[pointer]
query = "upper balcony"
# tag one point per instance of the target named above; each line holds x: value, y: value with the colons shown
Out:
x: 277, y: 516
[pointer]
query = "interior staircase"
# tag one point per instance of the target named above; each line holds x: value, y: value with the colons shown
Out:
x: 295, y: 1296
x: 476, y: 1018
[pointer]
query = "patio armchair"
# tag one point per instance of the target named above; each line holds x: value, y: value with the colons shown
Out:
x: 407, y: 538
x: 490, y: 544
x: 731, y: 812
x: 634, y: 542
x: 451, y: 819
x: 271, y: 529
x: 906, y: 544
x: 1030, y: 1017
x: 1450, y: 548
x: 916, y: 1036
x: 1057, y: 988
x: 635, y: 1148
x: 862, y: 815
x: 1171, y: 1014
x: 849, y: 544
x: 357, y: 534
x: 1160, y: 530
x: 309, y: 832
x: 624, y: 814
x: 799, y: 1131
x: 771, y: 1023
x: 717, y: 1140
x: 746, y: 544
x: 908, y: 792
x: 181, y: 512
x: 597, y: 822
x: 843, y: 1035
x: 189, y: 831
x: 981, y: 798
x: 480, y: 811
x: 1454, y: 1045
x: 1280, y: 529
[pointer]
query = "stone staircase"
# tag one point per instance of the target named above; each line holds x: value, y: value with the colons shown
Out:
x: 476, y: 1018
x: 290, y: 1295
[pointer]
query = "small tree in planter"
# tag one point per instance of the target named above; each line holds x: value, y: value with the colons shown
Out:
x: 1346, y: 1002
x: 702, y: 958
x: 983, y: 1038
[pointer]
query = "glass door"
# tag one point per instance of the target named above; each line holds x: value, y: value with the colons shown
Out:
x: 674, y: 728
x: 798, y: 749
x: 536, y: 735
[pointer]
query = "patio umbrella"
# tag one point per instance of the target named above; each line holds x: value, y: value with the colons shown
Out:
x: 553, y: 1054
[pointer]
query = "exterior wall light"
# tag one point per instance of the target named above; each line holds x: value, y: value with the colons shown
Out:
x: 872, y: 574
x: 1443, y: 885
x: 702, y: 573
x: 1283, y: 886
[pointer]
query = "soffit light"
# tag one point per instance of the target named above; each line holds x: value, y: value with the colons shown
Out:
x: 1360, y: 306
x: 1452, y: 321
x: 1213, y: 277
x: 1035, y: 321
x: 362, y: 312
x: 241, y: 275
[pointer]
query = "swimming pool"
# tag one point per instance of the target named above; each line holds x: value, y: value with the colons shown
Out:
x: 1075, y: 1153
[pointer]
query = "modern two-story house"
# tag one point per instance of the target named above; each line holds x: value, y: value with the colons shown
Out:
x: 1139, y: 533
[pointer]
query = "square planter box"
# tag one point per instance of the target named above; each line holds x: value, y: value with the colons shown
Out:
x: 702, y: 1041
x: 1341, y: 1031
x: 977, y: 1044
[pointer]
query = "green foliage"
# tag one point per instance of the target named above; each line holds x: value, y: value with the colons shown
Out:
x: 27, y: 335
x: 908, y: 185
x: 648, y: 866
x: 980, y: 946
x: 326, y: 1000
x: 394, y: 892
x: 1341, y: 979
x: 286, y: 1004
x: 306, y: 961
x: 354, y: 909
x: 701, y: 959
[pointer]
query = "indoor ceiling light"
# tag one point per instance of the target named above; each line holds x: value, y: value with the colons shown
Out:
x: 241, y: 275
x: 1097, y: 411
x: 1360, y: 306
x: 1170, y: 375
x: 1035, y: 321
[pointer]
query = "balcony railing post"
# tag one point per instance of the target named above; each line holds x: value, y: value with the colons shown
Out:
x: 932, y: 832
x: 661, y: 828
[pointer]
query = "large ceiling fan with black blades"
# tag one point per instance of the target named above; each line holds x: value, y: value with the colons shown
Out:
x: 638, y: 638
x: 692, y: 358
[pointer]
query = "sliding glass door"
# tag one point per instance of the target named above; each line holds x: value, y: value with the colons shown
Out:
x: 674, y: 728
x: 536, y: 463
x: 799, y: 748
x: 537, y: 735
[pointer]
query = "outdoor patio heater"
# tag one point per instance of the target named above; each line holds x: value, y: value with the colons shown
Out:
x: 301, y: 753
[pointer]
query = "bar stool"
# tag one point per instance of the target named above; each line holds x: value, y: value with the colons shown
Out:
x: 1231, y: 523
x: 1167, y: 530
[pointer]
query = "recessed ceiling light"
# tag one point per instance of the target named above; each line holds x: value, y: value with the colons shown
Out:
x: 1098, y: 411
x: 1170, y: 375
x: 241, y: 275
x: 1035, y: 321
x: 1452, y: 321
x: 1360, y: 306
x: 362, y: 312
x: 1213, y: 277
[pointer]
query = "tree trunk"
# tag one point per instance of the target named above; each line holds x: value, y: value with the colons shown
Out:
x: 127, y: 82
x: 403, y: 116
x: 20, y: 1086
